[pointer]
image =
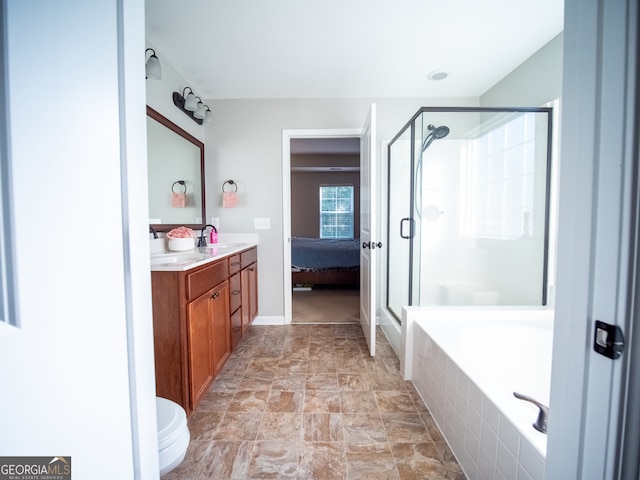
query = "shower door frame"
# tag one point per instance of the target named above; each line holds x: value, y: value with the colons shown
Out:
x: 411, y: 124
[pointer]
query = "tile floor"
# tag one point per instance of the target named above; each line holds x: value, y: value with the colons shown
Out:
x: 307, y: 402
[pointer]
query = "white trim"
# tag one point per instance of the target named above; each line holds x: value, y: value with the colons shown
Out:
x: 287, y: 135
x: 269, y: 320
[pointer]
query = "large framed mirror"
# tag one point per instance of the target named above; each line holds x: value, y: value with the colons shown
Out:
x: 175, y: 174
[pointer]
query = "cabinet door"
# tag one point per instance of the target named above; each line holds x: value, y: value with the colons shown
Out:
x: 221, y: 325
x: 200, y: 349
x: 253, y: 291
x: 249, y: 280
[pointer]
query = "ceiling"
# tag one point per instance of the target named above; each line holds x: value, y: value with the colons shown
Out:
x: 347, y: 48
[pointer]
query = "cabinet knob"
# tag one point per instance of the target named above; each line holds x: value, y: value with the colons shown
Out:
x: 235, y: 264
x: 235, y: 292
x: 215, y: 295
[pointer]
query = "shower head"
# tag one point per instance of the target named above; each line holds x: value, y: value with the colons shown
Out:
x: 438, y: 132
x: 435, y: 133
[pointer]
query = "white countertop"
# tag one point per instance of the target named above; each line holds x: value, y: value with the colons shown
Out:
x: 167, y: 261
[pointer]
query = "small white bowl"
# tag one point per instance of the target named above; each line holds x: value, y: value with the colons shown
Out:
x: 181, y: 244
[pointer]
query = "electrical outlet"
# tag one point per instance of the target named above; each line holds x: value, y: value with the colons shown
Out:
x: 262, y: 223
x: 215, y: 221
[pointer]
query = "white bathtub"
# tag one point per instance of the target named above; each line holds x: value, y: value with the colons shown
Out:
x: 466, y: 363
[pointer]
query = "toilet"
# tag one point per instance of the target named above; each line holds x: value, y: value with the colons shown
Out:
x: 173, y: 434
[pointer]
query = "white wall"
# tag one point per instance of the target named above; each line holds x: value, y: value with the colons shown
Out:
x: 244, y: 144
x: 77, y: 376
x: 536, y: 81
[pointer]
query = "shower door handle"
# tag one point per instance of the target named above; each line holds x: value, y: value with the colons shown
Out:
x: 411, y: 223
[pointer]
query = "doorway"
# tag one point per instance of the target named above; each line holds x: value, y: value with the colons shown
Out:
x: 325, y: 227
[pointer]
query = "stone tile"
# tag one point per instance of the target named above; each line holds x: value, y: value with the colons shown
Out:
x: 418, y: 461
x: 323, y: 461
x: 259, y: 364
x: 192, y: 462
x: 322, y: 365
x: 290, y: 382
x: 352, y: 381
x: 354, y: 365
x: 238, y: 426
x: 363, y: 429
x: 288, y: 365
x: 381, y: 380
x: 257, y: 381
x: 249, y: 401
x: 322, y: 427
x: 321, y: 401
x: 307, y: 402
x: 285, y: 401
x: 358, y: 402
x: 322, y: 381
x: 405, y: 427
x: 202, y: 424
x: 373, y: 461
x: 216, y: 401
x: 275, y: 460
x: 225, y: 460
x: 391, y: 401
x: 281, y: 426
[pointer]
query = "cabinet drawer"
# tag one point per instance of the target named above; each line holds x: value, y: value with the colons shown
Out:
x: 235, y: 297
x: 206, y: 278
x: 248, y: 257
x: 234, y: 264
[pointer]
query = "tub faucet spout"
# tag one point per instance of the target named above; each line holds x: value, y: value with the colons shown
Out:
x: 541, y: 423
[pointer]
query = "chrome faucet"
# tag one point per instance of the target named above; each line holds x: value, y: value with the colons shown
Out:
x: 541, y: 423
x: 202, y: 241
x: 153, y: 230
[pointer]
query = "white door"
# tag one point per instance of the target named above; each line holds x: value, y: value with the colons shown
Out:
x: 368, y: 230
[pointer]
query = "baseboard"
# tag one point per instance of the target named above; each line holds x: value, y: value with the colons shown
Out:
x: 269, y: 320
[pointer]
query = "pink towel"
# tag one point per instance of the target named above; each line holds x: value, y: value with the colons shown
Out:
x: 229, y: 199
x: 178, y: 200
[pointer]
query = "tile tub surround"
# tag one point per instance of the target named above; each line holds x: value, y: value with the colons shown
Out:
x: 307, y: 402
x: 489, y: 431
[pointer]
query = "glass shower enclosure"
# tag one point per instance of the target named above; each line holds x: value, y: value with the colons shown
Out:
x: 468, y: 208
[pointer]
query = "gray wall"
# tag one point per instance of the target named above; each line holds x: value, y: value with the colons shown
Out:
x: 245, y: 144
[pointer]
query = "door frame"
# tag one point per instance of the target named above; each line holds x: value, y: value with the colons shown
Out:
x: 287, y: 135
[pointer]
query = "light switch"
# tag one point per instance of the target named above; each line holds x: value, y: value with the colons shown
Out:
x: 262, y: 223
x: 215, y: 221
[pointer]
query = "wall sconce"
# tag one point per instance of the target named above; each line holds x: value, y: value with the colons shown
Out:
x: 152, y: 65
x: 193, y: 107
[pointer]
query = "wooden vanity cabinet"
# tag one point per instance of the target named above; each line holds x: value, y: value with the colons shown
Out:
x: 191, y: 330
x: 198, y: 319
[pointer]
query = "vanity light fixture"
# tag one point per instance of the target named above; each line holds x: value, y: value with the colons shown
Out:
x: 152, y: 66
x: 193, y: 107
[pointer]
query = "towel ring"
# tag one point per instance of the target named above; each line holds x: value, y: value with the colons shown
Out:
x: 232, y: 183
x: 181, y: 182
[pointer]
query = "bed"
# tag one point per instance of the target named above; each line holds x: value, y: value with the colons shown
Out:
x: 323, y: 261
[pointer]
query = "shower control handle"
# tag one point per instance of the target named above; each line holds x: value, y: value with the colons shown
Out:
x: 366, y: 244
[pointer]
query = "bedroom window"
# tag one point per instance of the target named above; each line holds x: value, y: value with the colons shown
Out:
x: 336, y: 211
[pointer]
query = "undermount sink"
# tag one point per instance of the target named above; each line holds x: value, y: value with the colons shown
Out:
x: 167, y: 258
x: 226, y: 245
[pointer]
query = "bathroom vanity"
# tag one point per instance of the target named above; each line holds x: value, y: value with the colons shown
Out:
x: 203, y: 302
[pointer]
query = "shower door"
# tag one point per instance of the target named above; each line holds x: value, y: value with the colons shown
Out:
x: 468, y: 207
